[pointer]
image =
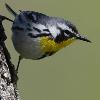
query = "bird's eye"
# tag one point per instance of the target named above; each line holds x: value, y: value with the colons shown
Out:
x: 69, y: 34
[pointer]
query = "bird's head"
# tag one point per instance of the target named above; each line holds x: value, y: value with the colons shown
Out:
x: 69, y: 31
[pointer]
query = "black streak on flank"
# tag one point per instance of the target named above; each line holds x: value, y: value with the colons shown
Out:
x: 46, y: 30
x: 38, y: 35
x: 38, y: 30
x: 17, y: 28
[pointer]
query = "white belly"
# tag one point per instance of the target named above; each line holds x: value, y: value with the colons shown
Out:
x: 27, y: 47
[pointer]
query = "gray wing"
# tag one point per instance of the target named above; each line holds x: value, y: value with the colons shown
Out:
x: 39, y: 30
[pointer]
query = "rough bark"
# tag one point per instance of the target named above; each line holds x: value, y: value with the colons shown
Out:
x: 8, y: 75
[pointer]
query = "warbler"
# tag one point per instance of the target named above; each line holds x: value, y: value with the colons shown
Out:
x: 36, y: 35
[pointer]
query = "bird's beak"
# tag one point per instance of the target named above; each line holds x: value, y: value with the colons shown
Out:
x: 82, y: 38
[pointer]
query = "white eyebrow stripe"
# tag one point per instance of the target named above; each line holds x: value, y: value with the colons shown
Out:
x: 64, y: 27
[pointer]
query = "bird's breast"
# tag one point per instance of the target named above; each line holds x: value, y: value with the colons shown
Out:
x: 49, y: 45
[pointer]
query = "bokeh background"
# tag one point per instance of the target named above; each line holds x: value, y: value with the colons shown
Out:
x: 74, y: 72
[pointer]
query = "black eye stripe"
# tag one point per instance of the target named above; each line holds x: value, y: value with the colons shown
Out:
x: 72, y: 27
x: 69, y: 33
x: 64, y: 35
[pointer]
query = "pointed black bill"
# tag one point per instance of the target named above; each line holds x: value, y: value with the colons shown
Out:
x: 82, y: 38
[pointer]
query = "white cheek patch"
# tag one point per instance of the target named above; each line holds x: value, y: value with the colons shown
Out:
x: 54, y: 31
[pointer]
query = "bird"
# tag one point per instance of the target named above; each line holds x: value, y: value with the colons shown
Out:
x: 36, y: 35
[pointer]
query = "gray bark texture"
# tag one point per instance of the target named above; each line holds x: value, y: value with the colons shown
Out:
x: 8, y: 75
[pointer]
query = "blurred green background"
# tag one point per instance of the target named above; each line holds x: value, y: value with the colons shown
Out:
x: 74, y: 72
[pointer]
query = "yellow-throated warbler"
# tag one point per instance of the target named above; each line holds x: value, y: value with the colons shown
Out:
x: 36, y: 35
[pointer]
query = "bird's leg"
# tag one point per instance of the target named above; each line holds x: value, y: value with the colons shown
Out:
x: 19, y: 60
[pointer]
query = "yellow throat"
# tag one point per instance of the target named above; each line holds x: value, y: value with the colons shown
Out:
x: 49, y: 45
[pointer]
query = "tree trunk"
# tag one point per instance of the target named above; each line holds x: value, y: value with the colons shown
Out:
x: 8, y: 75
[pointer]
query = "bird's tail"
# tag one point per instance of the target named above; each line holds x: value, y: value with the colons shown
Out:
x: 10, y: 10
